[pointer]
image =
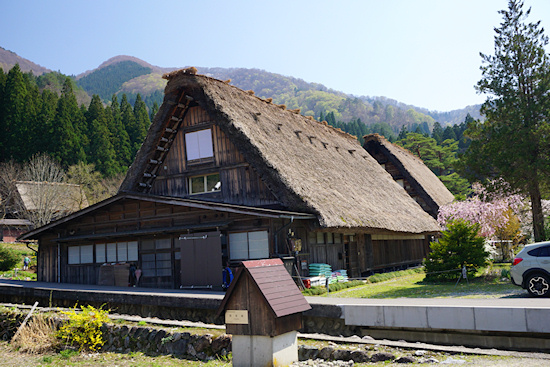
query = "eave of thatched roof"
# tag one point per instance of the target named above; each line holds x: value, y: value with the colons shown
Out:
x: 415, y: 169
x: 308, y: 165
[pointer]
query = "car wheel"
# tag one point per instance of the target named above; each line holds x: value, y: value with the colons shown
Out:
x: 538, y: 285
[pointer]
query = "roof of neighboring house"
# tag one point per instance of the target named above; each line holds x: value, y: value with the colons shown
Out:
x: 65, y: 197
x: 308, y: 165
x: 415, y: 169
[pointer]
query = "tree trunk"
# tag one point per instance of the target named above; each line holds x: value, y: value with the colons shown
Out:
x: 536, y: 211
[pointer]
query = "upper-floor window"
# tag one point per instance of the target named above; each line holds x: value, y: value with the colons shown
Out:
x: 198, y: 145
x: 204, y: 183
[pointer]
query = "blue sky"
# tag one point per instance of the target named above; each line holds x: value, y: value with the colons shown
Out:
x: 421, y: 52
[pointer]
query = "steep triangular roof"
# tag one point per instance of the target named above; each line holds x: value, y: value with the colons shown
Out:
x: 308, y: 165
x: 415, y: 169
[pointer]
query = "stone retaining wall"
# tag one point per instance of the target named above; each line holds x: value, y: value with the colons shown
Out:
x: 157, y: 341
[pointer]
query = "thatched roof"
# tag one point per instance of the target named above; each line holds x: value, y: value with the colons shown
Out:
x: 62, y: 197
x: 414, y: 169
x: 308, y: 166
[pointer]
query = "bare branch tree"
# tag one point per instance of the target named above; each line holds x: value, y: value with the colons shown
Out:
x: 10, y: 172
x: 44, y: 196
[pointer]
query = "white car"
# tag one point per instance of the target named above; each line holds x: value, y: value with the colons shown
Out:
x: 531, y: 269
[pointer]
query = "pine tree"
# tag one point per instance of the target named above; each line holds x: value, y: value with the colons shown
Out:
x: 13, y: 113
x: 142, y: 122
x: 153, y: 111
x: 513, y: 142
x: 129, y: 123
x: 437, y: 132
x: 46, y: 118
x: 103, y: 152
x: 66, y: 143
x: 120, y: 137
x: 449, y: 133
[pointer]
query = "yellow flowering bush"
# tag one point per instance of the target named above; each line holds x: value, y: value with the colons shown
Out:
x: 84, y: 328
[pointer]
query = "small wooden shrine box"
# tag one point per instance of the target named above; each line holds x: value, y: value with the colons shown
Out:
x: 263, y: 311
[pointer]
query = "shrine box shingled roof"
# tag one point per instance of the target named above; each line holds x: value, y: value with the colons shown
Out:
x: 267, y: 291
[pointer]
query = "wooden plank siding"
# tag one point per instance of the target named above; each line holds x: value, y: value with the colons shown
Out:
x: 240, y: 183
x: 158, y: 220
x: 398, y: 252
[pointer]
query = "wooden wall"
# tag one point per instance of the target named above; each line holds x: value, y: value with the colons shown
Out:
x: 240, y: 183
x: 133, y: 215
x: 398, y: 252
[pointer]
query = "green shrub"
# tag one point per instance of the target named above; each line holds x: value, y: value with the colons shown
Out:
x: 382, y: 277
x: 460, y: 245
x: 84, y: 328
x: 8, y: 258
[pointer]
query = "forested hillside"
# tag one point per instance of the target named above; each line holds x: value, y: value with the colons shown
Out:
x: 36, y: 118
x: 42, y: 115
x: 117, y: 76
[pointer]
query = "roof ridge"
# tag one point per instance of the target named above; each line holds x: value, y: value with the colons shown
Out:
x: 192, y: 71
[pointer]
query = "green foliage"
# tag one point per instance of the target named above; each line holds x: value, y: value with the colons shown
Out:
x: 513, y: 144
x: 35, y: 119
x: 382, y: 277
x: 8, y: 258
x: 316, y: 291
x: 83, y: 329
x: 439, y: 157
x: 108, y: 80
x: 459, y: 246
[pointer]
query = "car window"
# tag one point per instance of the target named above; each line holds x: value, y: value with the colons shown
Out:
x: 534, y: 252
x: 544, y: 251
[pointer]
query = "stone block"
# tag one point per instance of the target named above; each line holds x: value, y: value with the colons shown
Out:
x: 381, y: 357
x: 326, y: 353
x: 306, y: 352
x: 500, y: 319
x: 221, y: 342
x: 359, y: 356
x: 454, y: 318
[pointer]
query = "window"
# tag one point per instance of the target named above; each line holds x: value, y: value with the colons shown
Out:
x: 198, y: 145
x: 205, y: 183
x: 248, y: 245
x: 81, y: 254
x: 158, y: 264
x: 116, y: 252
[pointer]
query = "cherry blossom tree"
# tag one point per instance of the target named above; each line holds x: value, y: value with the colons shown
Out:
x: 492, y: 211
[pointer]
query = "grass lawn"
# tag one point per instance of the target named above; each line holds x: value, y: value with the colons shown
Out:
x: 487, y: 284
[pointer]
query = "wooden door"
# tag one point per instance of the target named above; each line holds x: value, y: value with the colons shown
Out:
x: 201, y: 259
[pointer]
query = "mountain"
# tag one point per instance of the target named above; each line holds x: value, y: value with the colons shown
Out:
x: 130, y: 75
x: 8, y: 59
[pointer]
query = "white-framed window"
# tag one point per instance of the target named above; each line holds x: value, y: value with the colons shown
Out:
x: 204, y: 183
x: 114, y: 252
x: 81, y: 254
x: 249, y: 245
x: 198, y: 145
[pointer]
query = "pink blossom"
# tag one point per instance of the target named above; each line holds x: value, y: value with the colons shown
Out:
x: 488, y: 209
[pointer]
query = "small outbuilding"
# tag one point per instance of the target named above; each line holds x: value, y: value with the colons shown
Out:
x: 263, y: 311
